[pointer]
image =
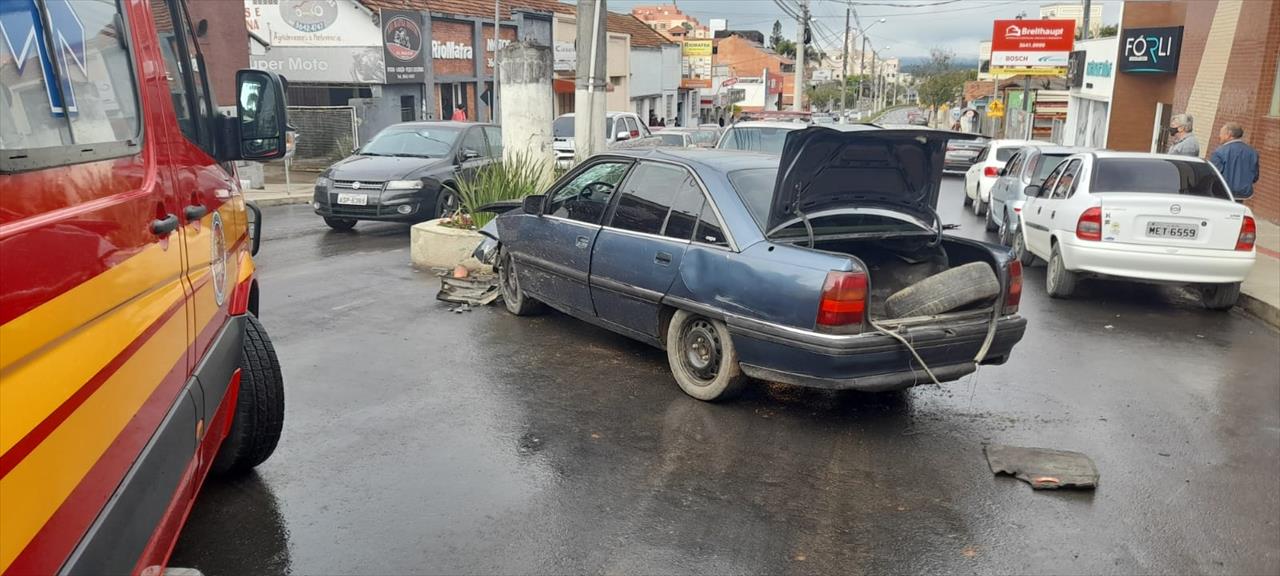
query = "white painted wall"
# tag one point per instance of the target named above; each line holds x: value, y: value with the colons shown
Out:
x: 646, y: 72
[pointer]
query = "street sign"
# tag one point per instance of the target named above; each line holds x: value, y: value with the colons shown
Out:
x: 729, y: 82
x: 995, y: 109
x: 1031, y: 47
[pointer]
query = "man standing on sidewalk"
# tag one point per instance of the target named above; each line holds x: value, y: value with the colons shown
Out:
x: 1237, y: 161
x: 1182, y: 141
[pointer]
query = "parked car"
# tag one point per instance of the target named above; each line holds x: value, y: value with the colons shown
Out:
x: 961, y: 154
x: 672, y: 139
x: 738, y: 270
x: 917, y: 118
x: 133, y: 363
x: 701, y: 137
x: 406, y: 173
x: 757, y: 136
x: 821, y: 119
x: 1140, y: 217
x: 982, y: 174
x: 619, y: 127
x: 1029, y: 165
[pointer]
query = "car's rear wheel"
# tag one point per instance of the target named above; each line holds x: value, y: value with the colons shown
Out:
x: 1005, y: 233
x: 702, y: 357
x: 513, y: 297
x: 259, y: 410
x: 340, y: 224
x: 967, y: 200
x: 1060, y: 282
x: 1220, y: 296
x: 979, y: 207
x: 991, y: 222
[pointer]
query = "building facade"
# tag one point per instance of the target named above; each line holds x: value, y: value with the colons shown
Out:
x: 1075, y: 11
x: 669, y: 21
x: 1091, y: 78
x: 744, y: 58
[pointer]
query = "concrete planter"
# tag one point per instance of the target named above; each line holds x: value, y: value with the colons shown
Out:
x: 434, y: 246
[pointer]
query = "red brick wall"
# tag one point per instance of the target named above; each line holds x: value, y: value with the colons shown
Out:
x: 452, y: 31
x: 745, y: 58
x: 1133, y: 103
x: 225, y: 46
x: 508, y: 34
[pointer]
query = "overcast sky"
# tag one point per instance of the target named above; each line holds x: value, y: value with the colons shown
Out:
x: 910, y: 29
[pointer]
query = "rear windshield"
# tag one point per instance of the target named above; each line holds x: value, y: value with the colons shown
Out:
x: 672, y: 139
x: 1004, y: 154
x: 756, y: 139
x: 1158, y: 175
x: 562, y: 127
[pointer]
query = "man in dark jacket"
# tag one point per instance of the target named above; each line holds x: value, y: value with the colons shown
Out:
x: 1237, y: 161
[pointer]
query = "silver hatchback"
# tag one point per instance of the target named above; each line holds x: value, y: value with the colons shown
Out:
x: 1029, y: 165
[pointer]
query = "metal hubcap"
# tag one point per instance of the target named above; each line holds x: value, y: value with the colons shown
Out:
x: 702, y: 350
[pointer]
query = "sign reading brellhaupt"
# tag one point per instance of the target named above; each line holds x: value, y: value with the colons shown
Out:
x: 402, y: 47
x: 1150, y: 50
x: 1031, y: 47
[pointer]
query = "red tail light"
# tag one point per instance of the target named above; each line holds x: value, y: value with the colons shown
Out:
x: 1089, y: 227
x: 1248, y: 234
x: 990, y: 171
x: 635, y: 133
x: 1013, y: 294
x: 844, y: 302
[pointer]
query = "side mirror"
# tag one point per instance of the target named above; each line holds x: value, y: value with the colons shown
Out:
x: 532, y: 204
x: 1032, y: 191
x: 469, y: 154
x: 261, y: 116
x: 623, y: 135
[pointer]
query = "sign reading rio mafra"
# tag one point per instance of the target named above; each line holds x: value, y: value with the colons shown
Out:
x: 1031, y: 47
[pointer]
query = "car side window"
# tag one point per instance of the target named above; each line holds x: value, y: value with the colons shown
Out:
x: 1066, y: 183
x: 684, y: 211
x: 474, y: 141
x: 587, y: 195
x: 1015, y: 164
x: 1049, y: 181
x: 647, y: 197
x: 640, y: 127
x: 983, y: 154
x: 710, y: 231
x: 188, y: 90
x: 76, y: 93
x: 494, y: 135
x: 633, y: 127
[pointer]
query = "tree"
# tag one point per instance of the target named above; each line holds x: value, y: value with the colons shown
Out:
x: 775, y: 38
x: 939, y: 80
x: 1108, y: 31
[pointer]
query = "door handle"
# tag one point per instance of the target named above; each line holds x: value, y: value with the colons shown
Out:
x: 582, y: 242
x: 1052, y: 214
x: 195, y: 212
x: 1039, y: 209
x: 164, y: 226
x: 662, y: 258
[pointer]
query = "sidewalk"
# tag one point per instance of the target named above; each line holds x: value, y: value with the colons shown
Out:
x: 276, y: 194
x: 1260, y: 293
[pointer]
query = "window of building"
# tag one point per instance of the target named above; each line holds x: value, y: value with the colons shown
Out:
x: 73, y: 104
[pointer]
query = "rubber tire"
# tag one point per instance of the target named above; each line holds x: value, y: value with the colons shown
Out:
x: 944, y: 291
x: 442, y: 198
x: 259, y: 413
x: 1004, y: 233
x: 1058, y: 281
x: 1220, y: 296
x: 967, y: 200
x: 729, y: 379
x: 979, y: 207
x: 991, y: 223
x: 516, y: 301
x: 1021, y: 252
x: 340, y: 224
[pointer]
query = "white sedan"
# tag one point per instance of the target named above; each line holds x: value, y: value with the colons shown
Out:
x: 1142, y: 217
x: 985, y: 171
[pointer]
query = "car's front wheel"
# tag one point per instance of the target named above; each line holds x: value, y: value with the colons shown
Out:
x: 1220, y: 296
x: 447, y: 202
x: 259, y: 410
x: 702, y: 357
x: 1060, y: 282
x: 340, y: 224
x: 1020, y: 250
x: 516, y: 301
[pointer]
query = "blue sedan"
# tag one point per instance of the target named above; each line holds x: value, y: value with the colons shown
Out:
x: 832, y: 271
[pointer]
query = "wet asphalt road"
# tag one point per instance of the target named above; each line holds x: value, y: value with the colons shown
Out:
x: 422, y: 441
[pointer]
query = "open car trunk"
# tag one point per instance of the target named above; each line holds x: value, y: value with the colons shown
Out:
x: 893, y: 264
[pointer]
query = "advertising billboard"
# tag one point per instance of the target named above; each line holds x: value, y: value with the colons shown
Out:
x: 402, y: 47
x: 1031, y: 47
x: 695, y: 64
x: 310, y: 23
x: 1150, y: 50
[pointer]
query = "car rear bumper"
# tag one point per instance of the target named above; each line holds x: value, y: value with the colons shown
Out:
x: 1156, y: 263
x: 382, y: 206
x: 872, y: 361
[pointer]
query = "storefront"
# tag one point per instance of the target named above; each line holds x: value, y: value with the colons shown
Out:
x: 1091, y: 78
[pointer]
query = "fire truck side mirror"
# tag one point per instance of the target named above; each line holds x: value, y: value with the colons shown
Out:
x: 262, y: 123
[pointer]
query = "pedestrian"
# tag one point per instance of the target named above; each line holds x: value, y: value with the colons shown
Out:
x: 459, y: 113
x: 969, y: 120
x: 1236, y: 160
x: 653, y: 119
x: 1182, y: 141
x: 662, y: 122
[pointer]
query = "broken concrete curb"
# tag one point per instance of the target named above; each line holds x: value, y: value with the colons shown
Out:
x: 278, y: 200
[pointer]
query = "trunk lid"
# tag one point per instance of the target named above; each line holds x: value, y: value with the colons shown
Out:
x: 859, y: 166
x: 1172, y: 220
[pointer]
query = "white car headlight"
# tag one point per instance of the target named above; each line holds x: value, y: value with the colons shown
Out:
x: 403, y: 185
x: 323, y: 182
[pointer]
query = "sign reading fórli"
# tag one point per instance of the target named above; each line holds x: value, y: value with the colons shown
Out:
x: 1150, y: 50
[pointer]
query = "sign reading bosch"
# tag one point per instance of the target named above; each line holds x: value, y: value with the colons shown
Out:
x: 1150, y: 50
x: 402, y: 47
x: 1031, y: 47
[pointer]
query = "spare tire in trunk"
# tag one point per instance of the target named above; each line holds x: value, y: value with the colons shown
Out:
x: 944, y: 291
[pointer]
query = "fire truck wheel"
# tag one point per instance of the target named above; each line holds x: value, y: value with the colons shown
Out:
x: 259, y: 413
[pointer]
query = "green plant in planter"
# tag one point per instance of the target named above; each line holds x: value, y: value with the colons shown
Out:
x: 511, y: 179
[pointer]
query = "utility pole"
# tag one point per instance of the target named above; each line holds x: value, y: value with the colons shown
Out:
x: 873, y: 79
x: 797, y: 97
x: 862, y: 67
x: 592, y: 81
x: 844, y: 63
x: 1084, y: 32
x: 497, y: 28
